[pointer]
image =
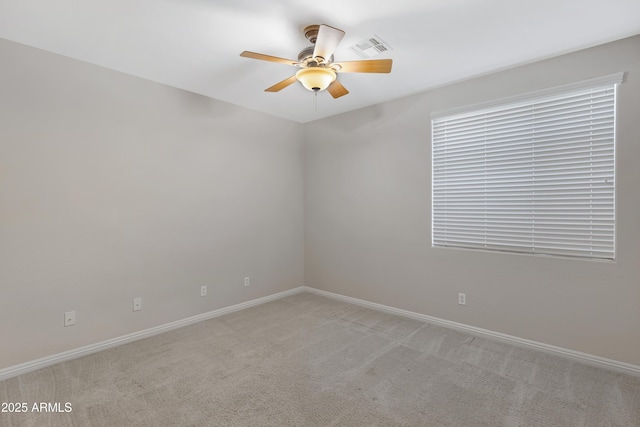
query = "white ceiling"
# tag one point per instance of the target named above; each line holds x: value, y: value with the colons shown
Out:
x: 195, y: 44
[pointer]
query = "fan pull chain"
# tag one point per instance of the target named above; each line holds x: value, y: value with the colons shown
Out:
x: 315, y: 101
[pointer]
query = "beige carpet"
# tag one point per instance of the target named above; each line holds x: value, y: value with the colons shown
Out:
x: 307, y: 360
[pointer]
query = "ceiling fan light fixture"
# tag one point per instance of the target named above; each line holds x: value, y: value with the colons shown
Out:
x: 316, y: 79
x: 317, y: 71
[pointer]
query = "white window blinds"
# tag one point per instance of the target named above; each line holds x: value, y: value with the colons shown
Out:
x: 534, y: 176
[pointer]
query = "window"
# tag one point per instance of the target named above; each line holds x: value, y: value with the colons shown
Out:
x: 532, y: 175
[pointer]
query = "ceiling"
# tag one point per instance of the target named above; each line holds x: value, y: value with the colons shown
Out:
x: 195, y: 44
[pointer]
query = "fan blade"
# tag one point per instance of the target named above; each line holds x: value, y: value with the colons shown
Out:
x: 279, y: 86
x: 327, y: 41
x: 263, y: 57
x: 337, y: 90
x: 366, y: 66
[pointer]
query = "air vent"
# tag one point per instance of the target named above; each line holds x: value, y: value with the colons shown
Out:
x: 370, y: 47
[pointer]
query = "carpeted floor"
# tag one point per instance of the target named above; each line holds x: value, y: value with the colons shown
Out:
x: 306, y: 360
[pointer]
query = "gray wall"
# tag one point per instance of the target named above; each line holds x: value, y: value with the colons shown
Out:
x: 113, y: 187
x: 368, y: 218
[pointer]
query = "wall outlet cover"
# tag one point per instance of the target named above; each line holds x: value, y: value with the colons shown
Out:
x: 70, y: 318
x: 462, y: 299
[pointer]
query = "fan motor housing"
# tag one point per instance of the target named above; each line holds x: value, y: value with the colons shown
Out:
x: 306, y: 56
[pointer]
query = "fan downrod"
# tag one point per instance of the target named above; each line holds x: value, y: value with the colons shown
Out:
x: 306, y: 55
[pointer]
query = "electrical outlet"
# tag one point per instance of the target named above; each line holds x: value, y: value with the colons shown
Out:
x: 247, y: 281
x: 70, y: 318
x: 203, y: 291
x: 462, y: 299
x: 137, y: 304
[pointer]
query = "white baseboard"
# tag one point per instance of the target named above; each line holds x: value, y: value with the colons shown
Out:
x: 571, y: 354
x: 33, y: 365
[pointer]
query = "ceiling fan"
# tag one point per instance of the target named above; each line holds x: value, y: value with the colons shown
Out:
x: 317, y: 69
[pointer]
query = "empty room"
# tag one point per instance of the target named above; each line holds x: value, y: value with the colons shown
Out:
x: 364, y: 213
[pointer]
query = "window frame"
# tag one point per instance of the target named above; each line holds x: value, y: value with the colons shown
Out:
x: 507, y: 104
